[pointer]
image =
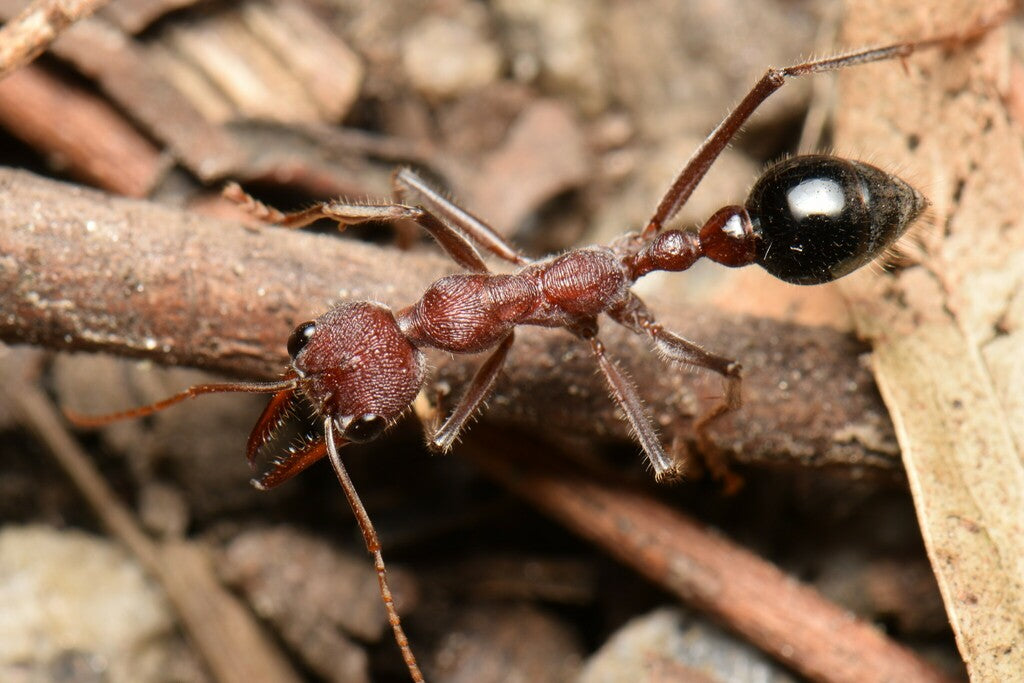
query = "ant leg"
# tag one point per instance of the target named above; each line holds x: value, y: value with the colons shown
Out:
x: 680, y: 350
x: 90, y: 421
x: 344, y: 214
x: 634, y: 316
x: 479, y: 388
x: 340, y: 212
x: 624, y: 393
x: 373, y: 546
x: 405, y: 180
x: 773, y: 79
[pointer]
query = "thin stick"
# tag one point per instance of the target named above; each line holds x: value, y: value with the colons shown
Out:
x: 785, y: 618
x: 62, y: 119
x: 26, y: 36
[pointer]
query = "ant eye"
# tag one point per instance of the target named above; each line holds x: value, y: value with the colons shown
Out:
x: 299, y: 338
x: 365, y: 427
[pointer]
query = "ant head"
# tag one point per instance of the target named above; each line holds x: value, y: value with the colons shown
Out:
x: 355, y: 365
x: 819, y: 217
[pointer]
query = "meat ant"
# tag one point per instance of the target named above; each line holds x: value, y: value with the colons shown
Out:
x: 807, y: 220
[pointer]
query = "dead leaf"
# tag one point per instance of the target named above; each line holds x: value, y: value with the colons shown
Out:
x: 947, y: 329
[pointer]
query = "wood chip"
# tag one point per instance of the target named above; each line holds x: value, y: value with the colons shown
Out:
x: 79, y: 132
x: 329, y: 71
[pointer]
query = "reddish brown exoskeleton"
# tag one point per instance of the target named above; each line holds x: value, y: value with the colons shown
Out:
x: 807, y: 220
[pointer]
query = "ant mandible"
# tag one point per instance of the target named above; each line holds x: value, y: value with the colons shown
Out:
x: 807, y: 220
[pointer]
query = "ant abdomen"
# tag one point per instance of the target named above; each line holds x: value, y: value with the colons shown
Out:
x: 818, y: 218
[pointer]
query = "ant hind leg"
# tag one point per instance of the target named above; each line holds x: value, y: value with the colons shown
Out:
x: 634, y: 316
x: 692, y: 173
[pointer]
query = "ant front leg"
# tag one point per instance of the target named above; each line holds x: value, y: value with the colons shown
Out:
x: 478, y: 390
x: 340, y: 212
x: 345, y: 214
x: 634, y: 316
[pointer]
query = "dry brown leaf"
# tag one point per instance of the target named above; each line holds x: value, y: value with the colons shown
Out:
x: 947, y: 329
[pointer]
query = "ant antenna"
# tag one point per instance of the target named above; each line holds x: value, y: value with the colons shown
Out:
x: 374, y: 547
x: 91, y: 421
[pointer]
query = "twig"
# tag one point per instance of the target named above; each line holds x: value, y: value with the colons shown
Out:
x: 787, y: 619
x: 230, y: 640
x: 26, y: 36
x: 82, y: 271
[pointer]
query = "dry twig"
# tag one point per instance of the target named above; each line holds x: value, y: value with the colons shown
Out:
x: 90, y: 138
x: 26, y: 36
x: 81, y: 271
x: 787, y: 619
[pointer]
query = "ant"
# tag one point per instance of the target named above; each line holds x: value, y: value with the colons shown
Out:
x: 807, y: 220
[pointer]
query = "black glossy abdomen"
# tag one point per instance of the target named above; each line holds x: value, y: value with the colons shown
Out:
x: 819, y: 217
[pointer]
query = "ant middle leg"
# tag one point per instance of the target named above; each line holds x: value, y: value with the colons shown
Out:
x: 625, y: 395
